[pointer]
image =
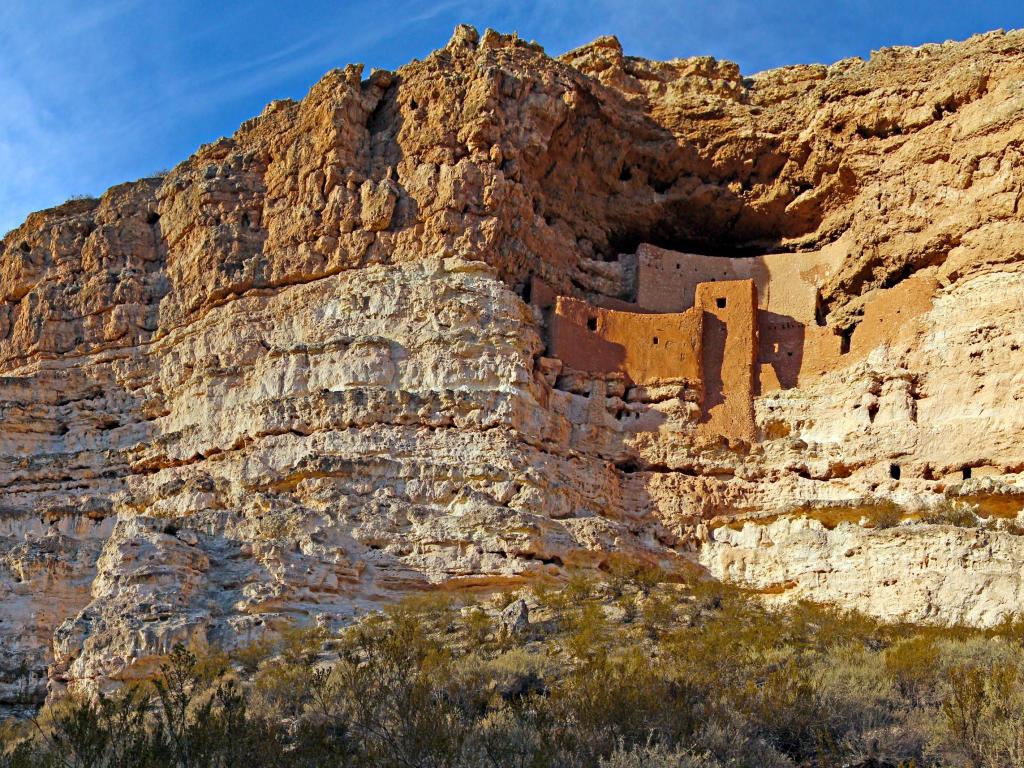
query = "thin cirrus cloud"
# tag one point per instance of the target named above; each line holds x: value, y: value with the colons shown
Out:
x: 96, y: 93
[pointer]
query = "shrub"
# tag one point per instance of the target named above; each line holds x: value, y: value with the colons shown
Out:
x: 736, y: 684
x: 912, y: 664
x: 885, y: 514
x: 951, y: 512
x: 478, y: 626
x: 657, y: 757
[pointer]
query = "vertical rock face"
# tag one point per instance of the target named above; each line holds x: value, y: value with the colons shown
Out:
x: 304, y: 373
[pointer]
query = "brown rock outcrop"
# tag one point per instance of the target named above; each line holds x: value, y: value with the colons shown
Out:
x: 297, y: 377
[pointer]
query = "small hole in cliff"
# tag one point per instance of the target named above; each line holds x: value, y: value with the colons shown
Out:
x: 25, y: 247
x: 592, y: 323
x: 625, y: 174
x: 894, y: 471
x: 965, y: 473
x: 245, y: 220
x: 152, y: 218
x: 413, y: 104
x: 720, y: 303
x: 654, y: 340
x: 171, y: 530
x: 844, y: 342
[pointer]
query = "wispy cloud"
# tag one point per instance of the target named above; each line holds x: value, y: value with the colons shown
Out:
x: 94, y: 93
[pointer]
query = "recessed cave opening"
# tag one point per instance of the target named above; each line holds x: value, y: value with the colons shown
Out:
x: 591, y: 323
x: 894, y: 471
x: 720, y: 303
x: 152, y: 218
x: 25, y: 248
x: 628, y: 240
x: 654, y: 340
x: 723, y: 223
x: 966, y: 473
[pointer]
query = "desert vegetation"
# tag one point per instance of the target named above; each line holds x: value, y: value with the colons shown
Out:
x: 627, y: 671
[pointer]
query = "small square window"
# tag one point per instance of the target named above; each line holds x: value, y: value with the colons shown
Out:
x: 720, y: 303
x: 592, y: 323
x: 655, y: 340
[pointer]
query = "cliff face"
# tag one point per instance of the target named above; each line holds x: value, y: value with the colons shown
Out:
x: 306, y: 372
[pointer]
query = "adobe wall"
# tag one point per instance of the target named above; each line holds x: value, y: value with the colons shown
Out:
x: 792, y: 346
x: 729, y: 355
x: 787, y: 283
x: 646, y: 347
x: 713, y: 344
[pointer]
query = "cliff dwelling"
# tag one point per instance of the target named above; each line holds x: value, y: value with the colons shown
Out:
x: 730, y: 328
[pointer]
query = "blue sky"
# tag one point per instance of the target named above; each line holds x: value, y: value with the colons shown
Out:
x: 95, y: 92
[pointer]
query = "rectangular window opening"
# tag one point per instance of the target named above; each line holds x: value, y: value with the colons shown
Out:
x: 720, y: 303
x: 894, y: 471
x: 591, y: 323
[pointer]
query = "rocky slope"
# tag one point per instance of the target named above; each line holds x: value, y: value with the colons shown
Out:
x: 298, y: 377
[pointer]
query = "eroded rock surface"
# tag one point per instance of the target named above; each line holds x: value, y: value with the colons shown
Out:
x: 302, y: 374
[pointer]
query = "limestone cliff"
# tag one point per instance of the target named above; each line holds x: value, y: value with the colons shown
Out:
x: 309, y: 370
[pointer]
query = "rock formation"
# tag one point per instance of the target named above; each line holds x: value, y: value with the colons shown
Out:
x: 349, y: 352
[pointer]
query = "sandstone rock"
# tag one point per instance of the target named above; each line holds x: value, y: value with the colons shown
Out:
x: 514, y: 618
x: 300, y: 376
